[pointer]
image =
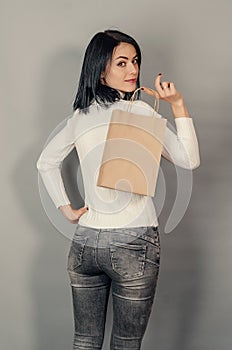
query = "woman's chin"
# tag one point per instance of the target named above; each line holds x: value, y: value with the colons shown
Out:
x: 129, y: 89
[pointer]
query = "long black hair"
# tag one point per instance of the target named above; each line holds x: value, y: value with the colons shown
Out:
x: 97, y: 55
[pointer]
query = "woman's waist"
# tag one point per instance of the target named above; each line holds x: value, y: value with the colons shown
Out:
x: 123, y: 217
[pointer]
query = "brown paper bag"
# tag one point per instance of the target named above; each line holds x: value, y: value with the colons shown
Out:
x: 132, y: 152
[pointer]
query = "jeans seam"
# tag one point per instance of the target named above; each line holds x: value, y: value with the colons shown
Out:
x: 152, y: 262
x: 96, y: 250
x: 134, y: 299
x: 126, y: 338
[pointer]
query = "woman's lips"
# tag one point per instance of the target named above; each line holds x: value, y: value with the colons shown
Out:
x: 132, y: 81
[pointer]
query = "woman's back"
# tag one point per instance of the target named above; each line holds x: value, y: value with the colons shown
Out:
x: 107, y: 207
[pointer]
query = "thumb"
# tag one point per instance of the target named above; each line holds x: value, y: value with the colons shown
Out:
x: 84, y: 209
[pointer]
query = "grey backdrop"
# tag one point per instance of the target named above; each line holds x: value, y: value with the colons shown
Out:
x: 41, y: 50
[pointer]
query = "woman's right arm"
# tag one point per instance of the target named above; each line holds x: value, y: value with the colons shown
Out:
x: 49, y: 166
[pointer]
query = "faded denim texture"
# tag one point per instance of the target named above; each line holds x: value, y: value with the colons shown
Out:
x: 126, y: 259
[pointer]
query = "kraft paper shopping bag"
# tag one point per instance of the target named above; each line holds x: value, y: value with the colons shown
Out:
x: 132, y: 152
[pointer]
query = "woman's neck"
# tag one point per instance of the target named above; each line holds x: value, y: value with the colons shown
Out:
x: 122, y: 94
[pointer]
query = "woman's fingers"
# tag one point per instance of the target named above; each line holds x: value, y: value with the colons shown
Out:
x: 164, y: 90
x: 77, y: 214
x: 150, y: 92
x: 172, y: 89
x: 81, y: 211
x: 159, y: 86
x: 73, y: 215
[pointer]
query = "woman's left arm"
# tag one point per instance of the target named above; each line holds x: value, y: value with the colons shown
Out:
x: 182, y: 148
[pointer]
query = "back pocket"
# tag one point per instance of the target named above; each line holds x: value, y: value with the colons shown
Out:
x: 128, y: 260
x: 76, y: 252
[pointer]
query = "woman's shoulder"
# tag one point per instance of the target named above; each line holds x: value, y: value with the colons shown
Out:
x: 137, y: 107
x: 140, y: 107
x: 143, y: 105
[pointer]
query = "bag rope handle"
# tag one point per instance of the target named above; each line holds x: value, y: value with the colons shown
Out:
x: 149, y: 91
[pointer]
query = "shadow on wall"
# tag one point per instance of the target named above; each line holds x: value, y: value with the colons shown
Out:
x: 49, y: 283
x: 175, y: 312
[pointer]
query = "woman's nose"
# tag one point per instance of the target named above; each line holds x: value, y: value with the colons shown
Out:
x: 132, y: 69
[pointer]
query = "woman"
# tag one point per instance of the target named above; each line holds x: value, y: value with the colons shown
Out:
x: 116, y: 243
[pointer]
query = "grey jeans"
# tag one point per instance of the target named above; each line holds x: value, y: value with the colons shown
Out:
x: 124, y: 259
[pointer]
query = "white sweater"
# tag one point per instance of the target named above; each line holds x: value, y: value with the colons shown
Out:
x: 109, y: 208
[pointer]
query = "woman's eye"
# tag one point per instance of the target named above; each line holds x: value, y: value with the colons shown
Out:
x: 121, y: 64
x: 135, y: 61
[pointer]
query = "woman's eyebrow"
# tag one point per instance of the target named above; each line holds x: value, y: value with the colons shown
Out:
x: 124, y: 57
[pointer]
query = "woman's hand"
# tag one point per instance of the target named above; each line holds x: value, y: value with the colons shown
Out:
x: 73, y: 215
x: 166, y: 91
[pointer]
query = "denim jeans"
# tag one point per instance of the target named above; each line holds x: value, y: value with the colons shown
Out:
x: 124, y: 259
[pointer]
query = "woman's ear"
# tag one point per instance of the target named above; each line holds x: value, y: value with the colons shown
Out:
x: 102, y: 78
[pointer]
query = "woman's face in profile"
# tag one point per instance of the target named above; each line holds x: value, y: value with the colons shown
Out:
x: 122, y: 72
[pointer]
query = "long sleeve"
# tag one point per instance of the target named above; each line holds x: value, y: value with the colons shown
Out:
x: 182, y: 148
x: 50, y: 162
